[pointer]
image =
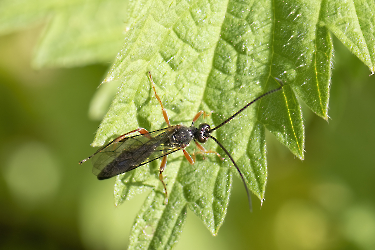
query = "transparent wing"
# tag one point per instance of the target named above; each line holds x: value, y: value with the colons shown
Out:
x: 132, y: 152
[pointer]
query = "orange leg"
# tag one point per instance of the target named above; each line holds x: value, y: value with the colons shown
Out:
x: 161, y: 170
x: 204, y: 151
x: 142, y: 131
x: 166, y: 118
x: 199, y: 115
x: 188, y: 157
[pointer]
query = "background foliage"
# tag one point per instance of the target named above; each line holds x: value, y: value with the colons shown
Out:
x: 48, y: 201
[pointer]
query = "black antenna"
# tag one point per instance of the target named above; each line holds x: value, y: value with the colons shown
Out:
x: 247, y: 105
x: 234, y: 163
x: 229, y: 119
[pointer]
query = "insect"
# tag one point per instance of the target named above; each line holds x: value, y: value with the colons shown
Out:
x: 128, y: 152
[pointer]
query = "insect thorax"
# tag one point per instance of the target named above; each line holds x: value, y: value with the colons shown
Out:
x: 181, y: 136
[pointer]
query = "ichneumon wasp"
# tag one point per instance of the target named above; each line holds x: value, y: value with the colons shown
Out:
x: 127, y: 152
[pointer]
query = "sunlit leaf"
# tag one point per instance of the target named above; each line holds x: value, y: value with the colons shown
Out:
x: 204, y: 55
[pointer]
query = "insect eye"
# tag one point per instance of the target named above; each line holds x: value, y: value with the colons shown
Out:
x: 203, y: 132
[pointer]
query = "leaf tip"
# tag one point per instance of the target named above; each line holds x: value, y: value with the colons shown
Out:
x: 109, y: 78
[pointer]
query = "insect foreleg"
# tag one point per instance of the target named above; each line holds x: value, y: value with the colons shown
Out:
x: 196, y: 117
x: 204, y: 151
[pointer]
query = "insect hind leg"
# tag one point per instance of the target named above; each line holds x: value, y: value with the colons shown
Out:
x: 161, y: 170
x: 142, y: 131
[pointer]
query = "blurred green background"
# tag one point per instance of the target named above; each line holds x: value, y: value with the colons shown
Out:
x: 48, y: 201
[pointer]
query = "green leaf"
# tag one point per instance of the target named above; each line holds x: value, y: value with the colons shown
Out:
x: 18, y: 14
x: 102, y: 99
x: 78, y: 32
x: 204, y: 55
x: 158, y: 226
x: 214, y: 57
x: 352, y: 22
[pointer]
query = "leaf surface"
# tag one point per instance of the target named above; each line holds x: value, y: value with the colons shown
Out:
x: 211, y: 56
x: 204, y: 55
x: 77, y: 32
